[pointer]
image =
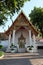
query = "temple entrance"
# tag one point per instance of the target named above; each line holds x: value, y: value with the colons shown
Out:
x: 21, y: 43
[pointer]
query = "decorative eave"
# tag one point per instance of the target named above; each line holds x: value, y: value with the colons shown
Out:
x: 12, y: 26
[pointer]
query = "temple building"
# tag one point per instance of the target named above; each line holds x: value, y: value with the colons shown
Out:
x: 22, y: 34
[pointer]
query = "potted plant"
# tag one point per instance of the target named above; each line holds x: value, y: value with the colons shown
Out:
x: 12, y: 45
x: 1, y: 47
x: 30, y: 48
x: 13, y: 48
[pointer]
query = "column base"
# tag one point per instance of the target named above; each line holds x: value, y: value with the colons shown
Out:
x: 8, y: 50
x: 34, y: 50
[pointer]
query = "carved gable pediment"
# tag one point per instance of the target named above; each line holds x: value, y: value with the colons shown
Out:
x: 21, y: 21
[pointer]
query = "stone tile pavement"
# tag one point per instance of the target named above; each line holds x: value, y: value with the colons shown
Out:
x: 23, y: 58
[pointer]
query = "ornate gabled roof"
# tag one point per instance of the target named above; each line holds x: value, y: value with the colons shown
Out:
x: 28, y: 22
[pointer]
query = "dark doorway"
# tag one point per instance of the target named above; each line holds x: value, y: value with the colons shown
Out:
x: 40, y: 47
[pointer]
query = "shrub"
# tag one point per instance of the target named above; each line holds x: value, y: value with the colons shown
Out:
x: 12, y: 46
x: 1, y: 46
x: 30, y: 47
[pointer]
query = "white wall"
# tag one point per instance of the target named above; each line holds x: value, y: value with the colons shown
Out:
x: 4, y: 43
x: 39, y: 43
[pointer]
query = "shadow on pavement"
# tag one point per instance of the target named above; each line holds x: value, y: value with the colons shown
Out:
x: 22, y: 61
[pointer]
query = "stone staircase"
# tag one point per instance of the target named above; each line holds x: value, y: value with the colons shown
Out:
x: 19, y: 55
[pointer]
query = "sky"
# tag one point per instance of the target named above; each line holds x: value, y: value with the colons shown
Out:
x: 28, y: 6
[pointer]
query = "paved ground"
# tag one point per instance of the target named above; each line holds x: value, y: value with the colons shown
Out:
x: 23, y: 58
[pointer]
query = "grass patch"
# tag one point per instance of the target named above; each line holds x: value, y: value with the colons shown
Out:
x: 1, y: 53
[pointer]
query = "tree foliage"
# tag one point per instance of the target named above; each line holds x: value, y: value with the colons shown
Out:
x: 9, y: 7
x: 36, y: 16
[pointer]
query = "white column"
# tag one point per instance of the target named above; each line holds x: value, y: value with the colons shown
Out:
x: 30, y: 39
x: 34, y: 43
x: 13, y: 38
x: 9, y: 43
x: 9, y: 40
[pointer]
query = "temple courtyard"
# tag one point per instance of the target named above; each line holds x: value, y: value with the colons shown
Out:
x: 23, y: 58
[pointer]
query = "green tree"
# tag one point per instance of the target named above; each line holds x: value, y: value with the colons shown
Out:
x: 36, y: 16
x: 9, y: 7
